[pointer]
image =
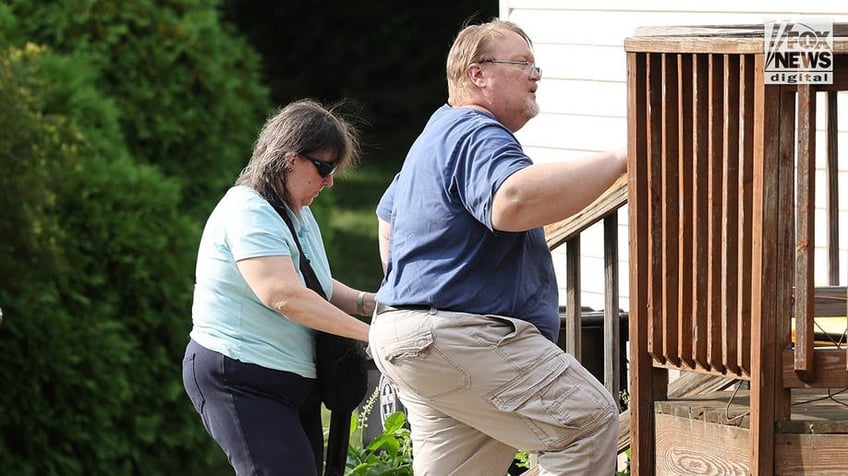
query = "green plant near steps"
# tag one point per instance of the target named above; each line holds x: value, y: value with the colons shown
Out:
x: 522, y: 459
x: 390, y: 454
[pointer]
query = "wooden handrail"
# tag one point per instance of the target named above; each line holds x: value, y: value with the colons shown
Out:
x: 612, y: 199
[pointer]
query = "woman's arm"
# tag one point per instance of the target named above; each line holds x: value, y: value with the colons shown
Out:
x: 275, y: 282
x: 352, y: 301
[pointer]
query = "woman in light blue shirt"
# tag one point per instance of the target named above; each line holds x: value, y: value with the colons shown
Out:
x: 249, y: 367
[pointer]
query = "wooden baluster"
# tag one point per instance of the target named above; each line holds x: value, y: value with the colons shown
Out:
x: 686, y: 238
x: 805, y: 232
x: 746, y: 209
x: 832, y: 172
x: 573, y: 315
x: 669, y: 208
x: 730, y: 211
x: 656, y: 274
x: 714, y: 236
x: 700, y: 76
x: 612, y: 318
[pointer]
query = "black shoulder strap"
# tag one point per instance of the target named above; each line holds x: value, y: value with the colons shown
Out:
x: 305, y: 268
x: 338, y: 439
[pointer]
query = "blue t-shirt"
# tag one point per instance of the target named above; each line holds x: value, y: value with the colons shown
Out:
x: 443, y: 250
x: 227, y: 316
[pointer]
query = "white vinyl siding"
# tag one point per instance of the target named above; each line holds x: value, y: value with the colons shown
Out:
x: 583, y: 98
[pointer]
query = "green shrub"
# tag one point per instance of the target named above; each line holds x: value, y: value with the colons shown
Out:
x: 59, y: 386
x: 97, y: 269
x: 188, y: 89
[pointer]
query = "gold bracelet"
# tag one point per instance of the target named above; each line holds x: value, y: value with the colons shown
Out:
x: 360, y: 303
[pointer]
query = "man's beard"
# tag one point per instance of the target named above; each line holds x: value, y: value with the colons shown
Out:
x: 531, y: 108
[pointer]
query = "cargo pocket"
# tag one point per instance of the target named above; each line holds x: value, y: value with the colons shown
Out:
x: 416, y: 363
x: 555, y: 400
x: 494, y: 330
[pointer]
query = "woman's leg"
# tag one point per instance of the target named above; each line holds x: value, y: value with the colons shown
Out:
x: 266, y: 421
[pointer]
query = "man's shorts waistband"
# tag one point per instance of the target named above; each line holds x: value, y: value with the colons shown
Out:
x: 382, y: 308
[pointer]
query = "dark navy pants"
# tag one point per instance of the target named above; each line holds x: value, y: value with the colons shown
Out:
x: 268, y: 422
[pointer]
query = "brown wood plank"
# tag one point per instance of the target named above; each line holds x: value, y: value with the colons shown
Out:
x: 813, y: 409
x: 746, y: 210
x: 715, y: 235
x: 670, y: 207
x: 810, y: 454
x: 573, y: 320
x: 832, y: 173
x: 730, y: 216
x: 688, y: 384
x: 612, y: 319
x: 731, y: 39
x: 805, y: 232
x: 829, y: 370
x: 709, y: 448
x: 764, y: 277
x: 685, y: 237
x: 641, y: 365
x: 700, y: 150
x: 781, y: 322
x: 655, y: 270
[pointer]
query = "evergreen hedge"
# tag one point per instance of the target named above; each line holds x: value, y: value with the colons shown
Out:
x: 96, y: 269
x: 121, y: 124
x: 188, y: 89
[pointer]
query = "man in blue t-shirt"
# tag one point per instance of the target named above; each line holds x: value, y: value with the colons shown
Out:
x: 467, y: 314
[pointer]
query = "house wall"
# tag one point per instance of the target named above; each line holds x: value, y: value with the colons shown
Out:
x: 583, y: 98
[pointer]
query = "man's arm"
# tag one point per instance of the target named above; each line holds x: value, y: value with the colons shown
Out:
x: 547, y: 193
x: 384, y: 231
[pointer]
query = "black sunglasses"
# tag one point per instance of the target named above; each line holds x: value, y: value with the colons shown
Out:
x: 324, y: 169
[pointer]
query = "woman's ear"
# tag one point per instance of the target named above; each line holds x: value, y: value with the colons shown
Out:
x: 288, y: 164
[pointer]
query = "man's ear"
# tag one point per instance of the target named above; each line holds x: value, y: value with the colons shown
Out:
x: 475, y: 74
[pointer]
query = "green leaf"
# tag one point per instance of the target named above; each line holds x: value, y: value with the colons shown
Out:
x: 394, y: 422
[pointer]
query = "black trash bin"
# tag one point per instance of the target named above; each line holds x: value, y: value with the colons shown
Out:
x: 386, y: 402
x: 592, y: 342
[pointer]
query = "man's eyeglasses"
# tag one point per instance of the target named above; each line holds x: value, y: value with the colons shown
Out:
x: 529, y: 66
x: 324, y: 169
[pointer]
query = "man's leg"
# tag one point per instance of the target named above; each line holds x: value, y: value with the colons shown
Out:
x: 442, y: 445
x: 501, y: 377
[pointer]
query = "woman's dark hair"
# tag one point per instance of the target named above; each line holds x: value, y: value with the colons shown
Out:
x: 302, y: 127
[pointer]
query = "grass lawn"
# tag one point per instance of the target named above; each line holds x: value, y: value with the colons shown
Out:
x: 355, y: 258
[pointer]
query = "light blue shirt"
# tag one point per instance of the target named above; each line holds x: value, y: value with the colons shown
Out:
x: 227, y: 316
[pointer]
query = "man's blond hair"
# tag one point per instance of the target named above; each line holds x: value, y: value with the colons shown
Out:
x: 473, y: 45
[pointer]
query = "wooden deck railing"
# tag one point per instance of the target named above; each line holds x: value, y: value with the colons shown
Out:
x: 722, y: 224
x: 568, y: 232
